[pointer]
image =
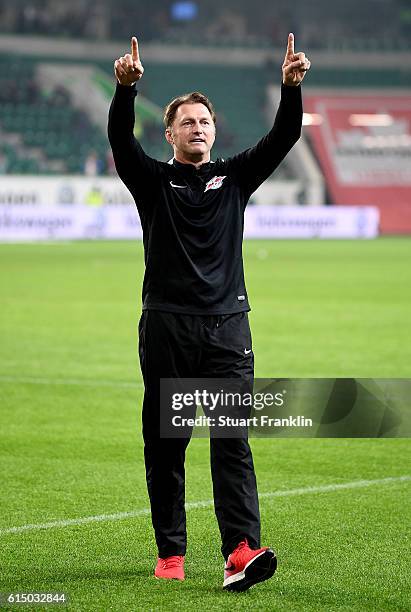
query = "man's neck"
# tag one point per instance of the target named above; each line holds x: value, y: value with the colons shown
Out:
x: 193, y: 161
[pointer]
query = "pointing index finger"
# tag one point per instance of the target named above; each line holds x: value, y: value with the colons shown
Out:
x: 134, y: 49
x: 290, y: 44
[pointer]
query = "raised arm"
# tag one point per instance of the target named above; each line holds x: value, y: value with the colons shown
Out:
x: 128, y: 154
x: 256, y: 164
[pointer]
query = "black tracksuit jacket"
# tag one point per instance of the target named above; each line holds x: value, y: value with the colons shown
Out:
x: 193, y: 219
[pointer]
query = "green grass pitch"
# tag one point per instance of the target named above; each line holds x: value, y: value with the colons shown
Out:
x: 70, y: 394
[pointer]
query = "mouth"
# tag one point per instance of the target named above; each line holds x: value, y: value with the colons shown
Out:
x: 197, y: 140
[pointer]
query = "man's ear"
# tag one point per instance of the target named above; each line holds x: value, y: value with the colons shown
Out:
x: 169, y: 136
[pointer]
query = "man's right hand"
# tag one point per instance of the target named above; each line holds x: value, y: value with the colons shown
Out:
x: 128, y: 69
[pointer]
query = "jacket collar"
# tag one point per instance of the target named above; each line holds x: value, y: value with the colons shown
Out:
x: 190, y: 167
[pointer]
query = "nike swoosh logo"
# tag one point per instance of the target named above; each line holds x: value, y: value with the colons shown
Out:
x: 246, y: 352
x: 179, y: 186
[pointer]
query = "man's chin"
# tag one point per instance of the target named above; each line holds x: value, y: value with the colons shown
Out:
x: 198, y: 151
x: 197, y: 157
x: 198, y: 146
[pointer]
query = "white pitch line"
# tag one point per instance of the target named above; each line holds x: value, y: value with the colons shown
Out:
x: 356, y: 484
x: 35, y: 380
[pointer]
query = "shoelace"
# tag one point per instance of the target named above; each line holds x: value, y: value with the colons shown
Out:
x: 241, y: 550
x: 243, y: 544
x: 172, y: 562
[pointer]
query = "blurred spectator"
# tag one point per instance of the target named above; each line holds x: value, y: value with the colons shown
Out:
x: 32, y: 90
x: 93, y: 165
x: 4, y: 163
x: 80, y: 125
x: 94, y: 197
x: 110, y: 166
x: 228, y: 25
x: 59, y: 97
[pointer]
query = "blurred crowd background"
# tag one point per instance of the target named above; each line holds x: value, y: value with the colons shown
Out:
x: 56, y: 83
x: 369, y: 24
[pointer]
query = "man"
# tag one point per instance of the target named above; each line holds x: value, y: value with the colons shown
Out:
x: 194, y: 322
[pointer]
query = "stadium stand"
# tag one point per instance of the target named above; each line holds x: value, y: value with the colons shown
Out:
x: 41, y: 131
x: 378, y: 24
x: 47, y: 129
x: 56, y: 138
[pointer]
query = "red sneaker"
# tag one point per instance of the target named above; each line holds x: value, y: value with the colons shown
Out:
x: 246, y: 567
x: 170, y: 567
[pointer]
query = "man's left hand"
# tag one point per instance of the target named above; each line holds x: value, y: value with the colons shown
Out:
x: 295, y: 65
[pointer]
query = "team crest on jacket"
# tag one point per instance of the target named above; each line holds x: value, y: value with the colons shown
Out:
x: 214, y: 183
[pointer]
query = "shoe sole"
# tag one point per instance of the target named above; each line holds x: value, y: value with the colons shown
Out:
x: 262, y: 568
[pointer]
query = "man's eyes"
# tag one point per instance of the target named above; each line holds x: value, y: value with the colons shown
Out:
x: 204, y: 122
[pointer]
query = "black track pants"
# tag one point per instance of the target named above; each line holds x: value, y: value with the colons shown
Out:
x: 195, y: 346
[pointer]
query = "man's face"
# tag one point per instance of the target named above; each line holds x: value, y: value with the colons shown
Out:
x: 192, y: 133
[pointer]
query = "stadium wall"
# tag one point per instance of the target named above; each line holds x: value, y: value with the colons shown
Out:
x: 363, y: 143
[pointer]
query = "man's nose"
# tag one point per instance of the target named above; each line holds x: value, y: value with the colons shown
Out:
x: 198, y: 127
